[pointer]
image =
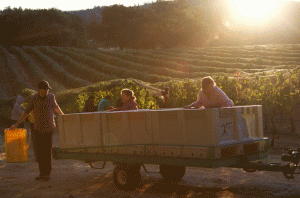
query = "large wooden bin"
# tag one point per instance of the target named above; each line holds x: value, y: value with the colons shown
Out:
x: 209, y: 133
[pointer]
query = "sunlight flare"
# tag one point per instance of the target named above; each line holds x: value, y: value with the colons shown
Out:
x: 254, y: 11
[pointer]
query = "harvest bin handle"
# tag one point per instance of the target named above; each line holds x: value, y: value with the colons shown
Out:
x: 92, y: 166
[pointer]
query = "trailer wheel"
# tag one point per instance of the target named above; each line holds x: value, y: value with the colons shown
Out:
x: 127, y: 177
x: 172, y: 173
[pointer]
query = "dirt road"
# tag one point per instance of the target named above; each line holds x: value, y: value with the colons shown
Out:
x: 76, y: 179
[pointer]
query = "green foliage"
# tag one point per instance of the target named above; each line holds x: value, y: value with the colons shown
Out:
x: 73, y: 102
x: 181, y: 93
x: 27, y: 93
x: 68, y: 102
x: 277, y: 94
x: 42, y: 27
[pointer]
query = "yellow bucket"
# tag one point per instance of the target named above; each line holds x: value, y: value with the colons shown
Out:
x: 15, y: 145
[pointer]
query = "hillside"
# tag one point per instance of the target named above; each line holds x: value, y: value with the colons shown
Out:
x: 266, y: 75
x: 69, y: 68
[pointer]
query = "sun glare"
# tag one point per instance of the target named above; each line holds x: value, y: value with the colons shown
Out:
x: 254, y: 12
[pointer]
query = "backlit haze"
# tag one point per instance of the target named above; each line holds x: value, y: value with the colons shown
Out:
x: 67, y: 5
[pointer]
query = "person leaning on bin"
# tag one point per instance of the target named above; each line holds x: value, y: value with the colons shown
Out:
x: 104, y: 104
x: 128, y: 100
x: 210, y: 96
x: 119, y: 103
x: 42, y: 104
x: 89, y: 105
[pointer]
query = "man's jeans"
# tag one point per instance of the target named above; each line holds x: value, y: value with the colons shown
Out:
x: 44, y: 151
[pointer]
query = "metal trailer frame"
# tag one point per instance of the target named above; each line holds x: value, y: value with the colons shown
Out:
x: 126, y: 174
x: 227, y: 159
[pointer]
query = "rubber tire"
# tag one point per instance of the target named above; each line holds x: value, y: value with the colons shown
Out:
x: 127, y: 177
x: 172, y: 173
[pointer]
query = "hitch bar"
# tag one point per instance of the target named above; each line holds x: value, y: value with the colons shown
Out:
x: 288, y: 170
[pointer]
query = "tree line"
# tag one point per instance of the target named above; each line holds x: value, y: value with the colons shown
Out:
x: 41, y: 27
x: 162, y: 24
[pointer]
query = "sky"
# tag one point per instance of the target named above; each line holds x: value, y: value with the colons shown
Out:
x: 67, y: 5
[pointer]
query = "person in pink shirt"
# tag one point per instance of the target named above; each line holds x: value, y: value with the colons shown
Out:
x: 128, y: 100
x: 210, y: 96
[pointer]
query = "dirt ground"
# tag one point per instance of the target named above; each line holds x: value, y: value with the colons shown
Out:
x: 72, y: 178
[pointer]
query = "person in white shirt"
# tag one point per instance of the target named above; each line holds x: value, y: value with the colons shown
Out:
x: 210, y: 96
x: 17, y: 111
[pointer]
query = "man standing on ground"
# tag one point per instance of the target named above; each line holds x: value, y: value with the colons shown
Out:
x: 42, y: 104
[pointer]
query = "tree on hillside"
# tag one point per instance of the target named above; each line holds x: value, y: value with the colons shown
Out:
x: 176, y: 23
x: 42, y: 27
x: 9, y: 32
x: 162, y: 24
x: 78, y: 35
x: 115, y: 21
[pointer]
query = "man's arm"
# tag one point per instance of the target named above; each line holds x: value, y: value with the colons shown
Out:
x: 23, y: 116
x: 58, y: 110
x: 55, y: 106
